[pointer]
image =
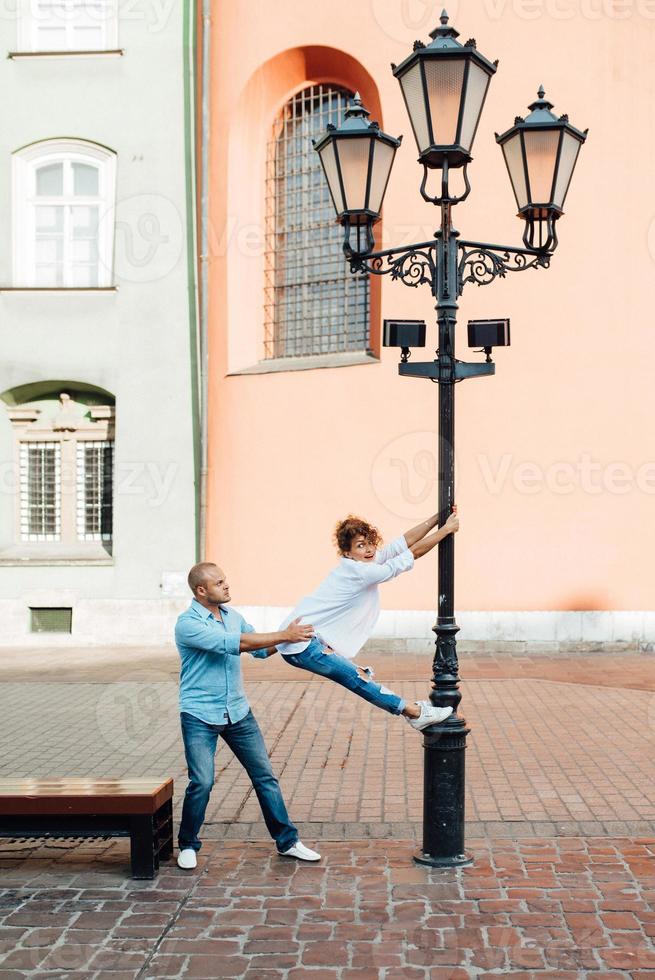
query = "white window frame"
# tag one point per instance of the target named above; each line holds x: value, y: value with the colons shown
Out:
x: 26, y: 161
x: 28, y: 23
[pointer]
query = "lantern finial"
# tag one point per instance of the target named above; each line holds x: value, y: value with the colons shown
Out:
x: 542, y: 105
x: 444, y: 31
x: 356, y: 109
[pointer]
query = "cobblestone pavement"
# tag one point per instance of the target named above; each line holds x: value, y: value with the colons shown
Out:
x: 558, y: 744
x: 564, y: 908
x: 560, y: 806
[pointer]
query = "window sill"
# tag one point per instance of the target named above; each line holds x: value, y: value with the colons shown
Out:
x: 54, y: 562
x: 30, y: 555
x: 104, y: 53
x: 311, y: 363
x: 58, y: 289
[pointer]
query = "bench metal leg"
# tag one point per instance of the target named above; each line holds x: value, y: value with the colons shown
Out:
x: 143, y: 847
x: 166, y: 831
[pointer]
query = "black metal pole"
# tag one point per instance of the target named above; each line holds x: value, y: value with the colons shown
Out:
x: 445, y: 746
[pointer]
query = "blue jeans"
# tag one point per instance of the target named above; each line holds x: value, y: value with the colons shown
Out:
x: 246, y: 741
x: 344, y: 672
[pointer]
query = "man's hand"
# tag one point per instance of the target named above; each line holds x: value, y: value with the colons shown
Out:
x: 295, y: 633
x: 452, y: 524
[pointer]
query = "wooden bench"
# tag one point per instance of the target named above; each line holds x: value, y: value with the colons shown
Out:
x: 141, y: 809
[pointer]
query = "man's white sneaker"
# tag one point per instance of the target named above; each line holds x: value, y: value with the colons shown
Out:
x: 187, y: 859
x: 301, y: 852
x: 429, y: 716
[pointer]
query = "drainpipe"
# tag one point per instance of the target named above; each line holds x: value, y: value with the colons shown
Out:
x: 190, y: 61
x: 204, y: 270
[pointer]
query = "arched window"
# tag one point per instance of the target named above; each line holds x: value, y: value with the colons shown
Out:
x: 313, y: 304
x: 67, y: 25
x: 64, y: 451
x: 63, y: 214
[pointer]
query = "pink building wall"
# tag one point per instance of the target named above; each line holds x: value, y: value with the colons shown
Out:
x: 555, y: 455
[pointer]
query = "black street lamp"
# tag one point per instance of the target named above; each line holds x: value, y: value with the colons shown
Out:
x: 444, y: 85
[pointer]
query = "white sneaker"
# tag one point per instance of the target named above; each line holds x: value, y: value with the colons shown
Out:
x: 429, y: 716
x: 301, y: 852
x: 187, y: 859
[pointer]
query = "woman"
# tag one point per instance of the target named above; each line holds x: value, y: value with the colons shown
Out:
x: 345, y: 608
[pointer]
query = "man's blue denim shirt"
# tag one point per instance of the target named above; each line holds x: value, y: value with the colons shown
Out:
x: 211, y: 685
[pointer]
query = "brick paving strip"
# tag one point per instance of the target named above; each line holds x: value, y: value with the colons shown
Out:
x: 564, y: 908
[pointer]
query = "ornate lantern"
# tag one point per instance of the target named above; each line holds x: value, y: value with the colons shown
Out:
x: 444, y: 85
x: 541, y: 152
x: 357, y: 158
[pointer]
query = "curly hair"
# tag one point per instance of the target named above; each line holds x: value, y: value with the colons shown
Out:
x: 348, y: 529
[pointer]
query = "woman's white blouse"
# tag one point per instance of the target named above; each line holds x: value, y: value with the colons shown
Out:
x: 346, y: 606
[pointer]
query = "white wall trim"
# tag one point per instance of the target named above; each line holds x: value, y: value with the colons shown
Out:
x: 150, y: 622
x: 608, y: 626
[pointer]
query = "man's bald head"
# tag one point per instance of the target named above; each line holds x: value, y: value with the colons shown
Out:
x: 209, y: 585
x: 200, y: 574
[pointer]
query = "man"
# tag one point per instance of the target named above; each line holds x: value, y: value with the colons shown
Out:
x: 210, y: 639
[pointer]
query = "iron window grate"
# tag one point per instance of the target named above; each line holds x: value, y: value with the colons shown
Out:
x: 95, y: 469
x: 40, y: 491
x: 313, y: 305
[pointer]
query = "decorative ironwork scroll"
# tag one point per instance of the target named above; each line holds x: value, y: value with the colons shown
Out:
x: 413, y: 266
x: 481, y: 264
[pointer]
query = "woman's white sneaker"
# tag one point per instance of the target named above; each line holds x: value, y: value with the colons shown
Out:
x: 187, y: 859
x: 429, y: 716
x: 301, y: 852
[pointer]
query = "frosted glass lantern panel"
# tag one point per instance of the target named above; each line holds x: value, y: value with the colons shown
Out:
x: 568, y: 156
x: 353, y: 156
x: 382, y: 163
x: 328, y: 159
x: 514, y: 160
x: 444, y: 81
x: 541, y: 155
x: 476, y: 89
x: 412, y: 86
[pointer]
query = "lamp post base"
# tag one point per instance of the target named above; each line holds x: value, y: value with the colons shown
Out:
x: 444, y: 748
x: 453, y: 861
